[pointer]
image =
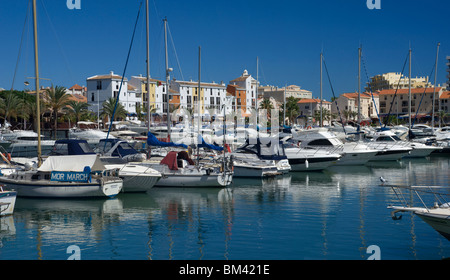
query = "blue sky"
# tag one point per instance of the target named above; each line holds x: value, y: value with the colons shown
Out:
x: 286, y: 35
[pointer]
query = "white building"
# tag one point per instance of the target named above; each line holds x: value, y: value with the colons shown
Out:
x: 212, y: 96
x: 102, y: 87
x: 158, y: 91
x: 250, y: 85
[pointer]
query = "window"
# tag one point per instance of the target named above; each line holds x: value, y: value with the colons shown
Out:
x: 99, y: 84
x: 93, y: 97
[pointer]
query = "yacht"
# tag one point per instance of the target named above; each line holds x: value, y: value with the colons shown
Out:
x: 393, y: 147
x: 259, y: 159
x: 23, y: 143
x: 353, y: 153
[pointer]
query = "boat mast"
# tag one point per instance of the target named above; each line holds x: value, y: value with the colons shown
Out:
x: 148, y: 66
x: 409, y: 93
x: 256, y: 98
x: 321, y: 89
x: 198, y: 103
x: 434, y: 91
x: 36, y: 64
x: 359, y: 93
x: 167, y: 78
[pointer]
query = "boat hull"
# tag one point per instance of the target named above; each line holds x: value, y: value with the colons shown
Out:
x: 387, y: 155
x: 24, y: 188
x: 312, y: 164
x: 359, y: 158
x: 136, y: 178
x: 7, y: 202
x: 439, y: 223
x: 194, y: 180
x: 248, y: 171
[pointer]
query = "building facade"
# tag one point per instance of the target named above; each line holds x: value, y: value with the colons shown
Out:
x: 102, y: 87
x: 349, y: 102
x: 423, y: 106
x: 308, y: 108
x: 395, y: 80
x: 158, y: 97
x: 279, y: 93
x: 247, y: 82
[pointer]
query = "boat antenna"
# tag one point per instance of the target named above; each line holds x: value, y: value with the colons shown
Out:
x: 123, y: 75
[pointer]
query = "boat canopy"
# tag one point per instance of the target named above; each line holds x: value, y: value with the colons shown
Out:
x: 153, y: 141
x: 74, y: 163
x: 71, y: 147
x: 171, y: 159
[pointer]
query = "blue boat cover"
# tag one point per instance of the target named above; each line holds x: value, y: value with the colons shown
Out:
x: 210, y: 146
x: 153, y: 141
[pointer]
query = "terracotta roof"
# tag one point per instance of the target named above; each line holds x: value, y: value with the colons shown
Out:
x: 354, y: 95
x: 406, y: 90
x: 445, y: 95
x: 76, y: 87
x: 78, y: 97
x: 308, y: 100
x: 240, y: 79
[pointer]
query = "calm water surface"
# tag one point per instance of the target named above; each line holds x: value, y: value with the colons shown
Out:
x: 331, y: 215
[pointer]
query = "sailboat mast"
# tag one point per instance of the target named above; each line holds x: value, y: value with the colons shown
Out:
x: 434, y: 91
x: 148, y: 66
x: 359, y: 88
x: 409, y: 93
x: 198, y: 103
x: 321, y: 90
x: 167, y: 78
x: 36, y: 64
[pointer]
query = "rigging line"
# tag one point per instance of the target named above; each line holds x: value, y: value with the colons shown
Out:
x: 124, y: 71
x: 21, y: 44
x: 332, y: 90
x: 66, y: 61
x: 175, y: 51
x: 395, y: 94
x: 370, y: 89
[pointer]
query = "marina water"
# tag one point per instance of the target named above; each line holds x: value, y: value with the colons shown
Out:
x: 336, y: 214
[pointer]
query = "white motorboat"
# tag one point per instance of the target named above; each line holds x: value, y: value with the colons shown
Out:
x: 259, y: 159
x: 437, y: 215
x: 392, y: 145
x: 92, y: 136
x: 7, y: 202
x: 308, y: 158
x: 353, y: 153
x: 136, y: 178
x: 65, y: 177
x: 23, y: 143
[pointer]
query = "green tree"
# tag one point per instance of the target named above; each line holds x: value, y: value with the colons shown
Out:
x: 77, y: 109
x: 108, y: 109
x: 10, y: 105
x: 56, y: 99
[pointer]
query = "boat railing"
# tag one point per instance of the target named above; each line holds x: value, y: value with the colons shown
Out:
x: 440, y: 199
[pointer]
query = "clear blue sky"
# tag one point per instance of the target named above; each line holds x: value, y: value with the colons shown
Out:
x: 287, y: 36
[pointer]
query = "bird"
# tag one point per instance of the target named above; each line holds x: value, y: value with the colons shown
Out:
x: 383, y: 180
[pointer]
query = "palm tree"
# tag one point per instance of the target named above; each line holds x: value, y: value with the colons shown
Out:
x: 267, y: 105
x: 56, y: 99
x: 108, y: 109
x: 10, y: 105
x: 291, y: 109
x: 77, y: 109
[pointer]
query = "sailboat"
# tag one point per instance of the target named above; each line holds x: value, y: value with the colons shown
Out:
x: 61, y: 176
x: 177, y: 168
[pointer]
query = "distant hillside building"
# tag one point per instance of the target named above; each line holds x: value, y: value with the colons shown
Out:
x: 278, y: 93
x: 393, y: 80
